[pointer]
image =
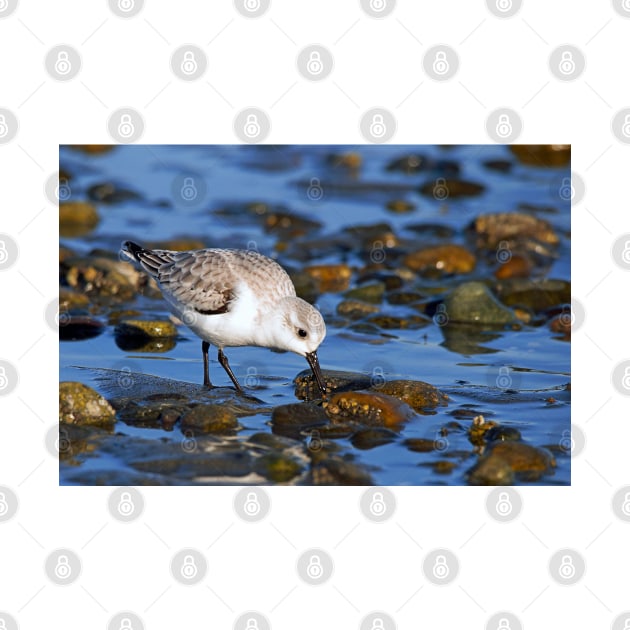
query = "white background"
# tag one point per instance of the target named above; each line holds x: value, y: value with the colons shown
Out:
x: 251, y: 62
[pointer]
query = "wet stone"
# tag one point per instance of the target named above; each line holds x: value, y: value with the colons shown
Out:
x: 366, y: 439
x: 473, y: 302
x: 478, y: 429
x: 403, y: 297
x: 501, y: 433
x: 335, y: 381
x: 93, y: 149
x: 99, y: 276
x: 330, y: 278
x: 537, y: 295
x: 349, y: 160
x: 442, y: 258
x: 523, y: 457
x: 74, y: 327
x: 80, y: 404
x: 415, y: 163
x: 549, y: 155
x: 492, y: 230
x: 368, y: 235
x: 431, y: 231
x: 394, y: 322
x: 272, y: 441
x: 69, y: 299
x: 517, y: 267
x: 372, y: 293
x: 356, y: 309
x: 491, y: 471
x: 400, y: 206
x: 452, y: 188
x: 369, y: 408
x: 298, y: 415
x: 417, y: 394
x: 77, y: 218
x: 209, y: 419
x: 111, y: 193
x: 506, y: 461
x: 337, y: 472
x: 143, y: 329
x: 420, y: 445
x: 501, y: 166
x: 561, y: 324
x: 278, y: 467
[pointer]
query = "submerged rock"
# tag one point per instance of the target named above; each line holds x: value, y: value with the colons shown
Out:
x: 417, y: 394
x: 335, y: 380
x: 367, y: 407
x: 77, y: 218
x: 473, y: 302
x: 442, y: 258
x: 505, y: 228
x: 80, y: 404
x: 209, y: 419
x: 505, y: 461
x: 330, y: 278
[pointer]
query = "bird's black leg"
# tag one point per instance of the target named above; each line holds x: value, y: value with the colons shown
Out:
x: 226, y: 366
x: 206, y: 376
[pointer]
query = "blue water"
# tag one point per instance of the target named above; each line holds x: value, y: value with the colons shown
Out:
x: 227, y: 175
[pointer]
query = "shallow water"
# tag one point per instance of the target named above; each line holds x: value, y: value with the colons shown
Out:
x: 535, y: 361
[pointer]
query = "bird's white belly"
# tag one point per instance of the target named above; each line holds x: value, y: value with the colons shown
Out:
x: 238, y: 327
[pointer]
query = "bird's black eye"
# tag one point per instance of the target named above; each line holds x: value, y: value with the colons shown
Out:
x: 302, y: 333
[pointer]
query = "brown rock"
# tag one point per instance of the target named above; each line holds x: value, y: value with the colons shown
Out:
x: 80, y: 404
x: 209, y: 419
x: 330, y: 278
x: 77, y: 218
x: 550, y: 155
x: 417, y: 394
x: 506, y: 228
x: 369, y: 408
x: 443, y: 189
x: 443, y: 258
x: 516, y: 267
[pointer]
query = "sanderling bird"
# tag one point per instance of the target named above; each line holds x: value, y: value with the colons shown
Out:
x: 233, y: 297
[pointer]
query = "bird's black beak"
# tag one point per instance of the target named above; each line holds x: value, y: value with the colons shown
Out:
x: 311, y: 357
